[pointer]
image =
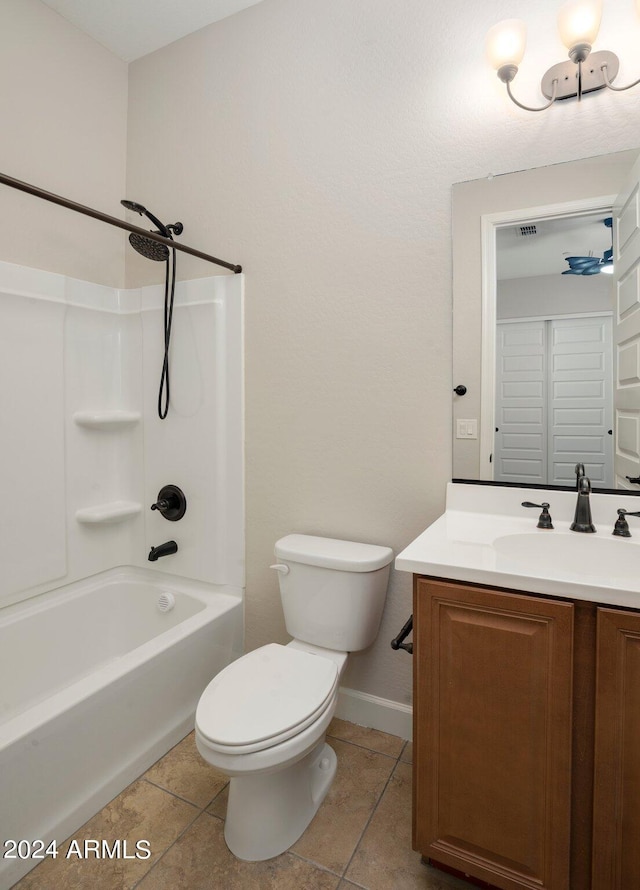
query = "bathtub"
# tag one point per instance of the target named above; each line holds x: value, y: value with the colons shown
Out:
x: 97, y: 683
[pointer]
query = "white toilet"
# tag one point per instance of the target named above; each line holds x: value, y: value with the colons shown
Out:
x: 263, y: 719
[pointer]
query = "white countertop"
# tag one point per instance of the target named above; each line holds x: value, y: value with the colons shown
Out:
x: 487, y: 537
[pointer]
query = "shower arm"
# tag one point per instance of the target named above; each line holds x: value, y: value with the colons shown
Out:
x: 112, y: 220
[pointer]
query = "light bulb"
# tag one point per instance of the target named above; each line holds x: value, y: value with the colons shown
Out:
x: 506, y: 43
x: 579, y: 22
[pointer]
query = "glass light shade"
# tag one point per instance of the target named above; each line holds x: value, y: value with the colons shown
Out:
x: 579, y: 22
x: 506, y: 42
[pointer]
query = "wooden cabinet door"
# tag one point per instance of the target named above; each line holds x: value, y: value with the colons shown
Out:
x: 616, y: 803
x: 492, y: 718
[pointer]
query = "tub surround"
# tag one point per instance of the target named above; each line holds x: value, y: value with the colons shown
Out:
x: 87, y: 451
x: 486, y: 537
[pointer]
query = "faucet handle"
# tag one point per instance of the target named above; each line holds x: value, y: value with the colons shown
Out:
x: 544, y: 520
x: 621, y: 528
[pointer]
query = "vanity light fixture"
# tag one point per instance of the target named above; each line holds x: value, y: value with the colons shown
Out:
x: 586, y: 72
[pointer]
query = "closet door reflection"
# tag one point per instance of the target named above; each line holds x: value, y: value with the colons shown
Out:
x: 554, y: 400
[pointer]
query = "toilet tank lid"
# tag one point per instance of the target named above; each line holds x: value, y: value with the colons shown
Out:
x: 330, y: 553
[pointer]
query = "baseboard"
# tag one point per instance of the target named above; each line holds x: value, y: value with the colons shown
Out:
x: 376, y: 713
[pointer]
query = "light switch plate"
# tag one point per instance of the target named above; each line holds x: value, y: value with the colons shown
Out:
x: 466, y: 429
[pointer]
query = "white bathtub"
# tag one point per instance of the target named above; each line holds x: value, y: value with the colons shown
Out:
x: 96, y: 683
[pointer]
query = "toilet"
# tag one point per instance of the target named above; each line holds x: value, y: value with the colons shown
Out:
x: 263, y: 719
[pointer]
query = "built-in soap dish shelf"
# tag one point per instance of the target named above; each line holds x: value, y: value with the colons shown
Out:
x: 106, y: 420
x: 114, y: 511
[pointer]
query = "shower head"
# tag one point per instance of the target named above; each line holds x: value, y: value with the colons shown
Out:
x: 149, y: 248
x: 131, y: 205
x: 138, y: 208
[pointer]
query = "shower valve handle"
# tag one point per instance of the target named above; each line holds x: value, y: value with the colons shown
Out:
x: 171, y: 503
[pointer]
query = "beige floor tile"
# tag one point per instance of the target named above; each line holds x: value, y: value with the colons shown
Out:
x: 219, y: 805
x: 384, y: 859
x: 183, y: 772
x: 373, y: 739
x: 200, y: 860
x: 141, y: 812
x: 407, y: 753
x: 336, y: 828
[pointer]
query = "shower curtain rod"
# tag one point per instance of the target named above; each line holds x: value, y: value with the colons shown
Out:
x: 112, y: 220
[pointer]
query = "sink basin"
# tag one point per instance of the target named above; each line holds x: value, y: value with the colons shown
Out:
x: 485, y: 537
x: 570, y: 554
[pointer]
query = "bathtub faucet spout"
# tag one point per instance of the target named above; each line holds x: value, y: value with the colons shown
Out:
x: 163, y: 550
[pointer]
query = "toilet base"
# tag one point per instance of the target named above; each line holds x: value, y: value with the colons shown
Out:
x: 267, y: 813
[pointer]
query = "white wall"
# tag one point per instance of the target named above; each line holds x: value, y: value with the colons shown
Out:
x: 63, y: 107
x: 278, y: 126
x: 315, y: 142
x: 547, y: 295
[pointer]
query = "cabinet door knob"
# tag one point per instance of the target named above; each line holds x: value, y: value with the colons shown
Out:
x: 460, y: 390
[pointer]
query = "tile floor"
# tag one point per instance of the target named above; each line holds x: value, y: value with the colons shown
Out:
x: 360, y: 837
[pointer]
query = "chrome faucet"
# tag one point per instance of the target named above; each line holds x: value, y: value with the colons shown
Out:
x: 582, y: 518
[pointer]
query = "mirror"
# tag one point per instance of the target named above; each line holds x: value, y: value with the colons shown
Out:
x: 536, y: 349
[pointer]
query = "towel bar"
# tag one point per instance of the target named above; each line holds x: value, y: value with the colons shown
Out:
x: 406, y: 630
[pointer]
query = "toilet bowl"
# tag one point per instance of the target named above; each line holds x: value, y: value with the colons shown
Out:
x: 278, y: 762
x: 262, y: 720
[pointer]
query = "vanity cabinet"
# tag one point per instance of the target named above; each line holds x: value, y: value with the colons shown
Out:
x: 492, y: 712
x: 616, y: 800
x: 526, y: 738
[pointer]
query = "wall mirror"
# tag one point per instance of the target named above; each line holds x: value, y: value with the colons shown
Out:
x: 550, y: 361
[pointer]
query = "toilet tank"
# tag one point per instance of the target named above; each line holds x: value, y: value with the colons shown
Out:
x: 333, y: 592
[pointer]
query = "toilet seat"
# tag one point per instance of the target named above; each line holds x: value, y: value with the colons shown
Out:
x: 264, y: 698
